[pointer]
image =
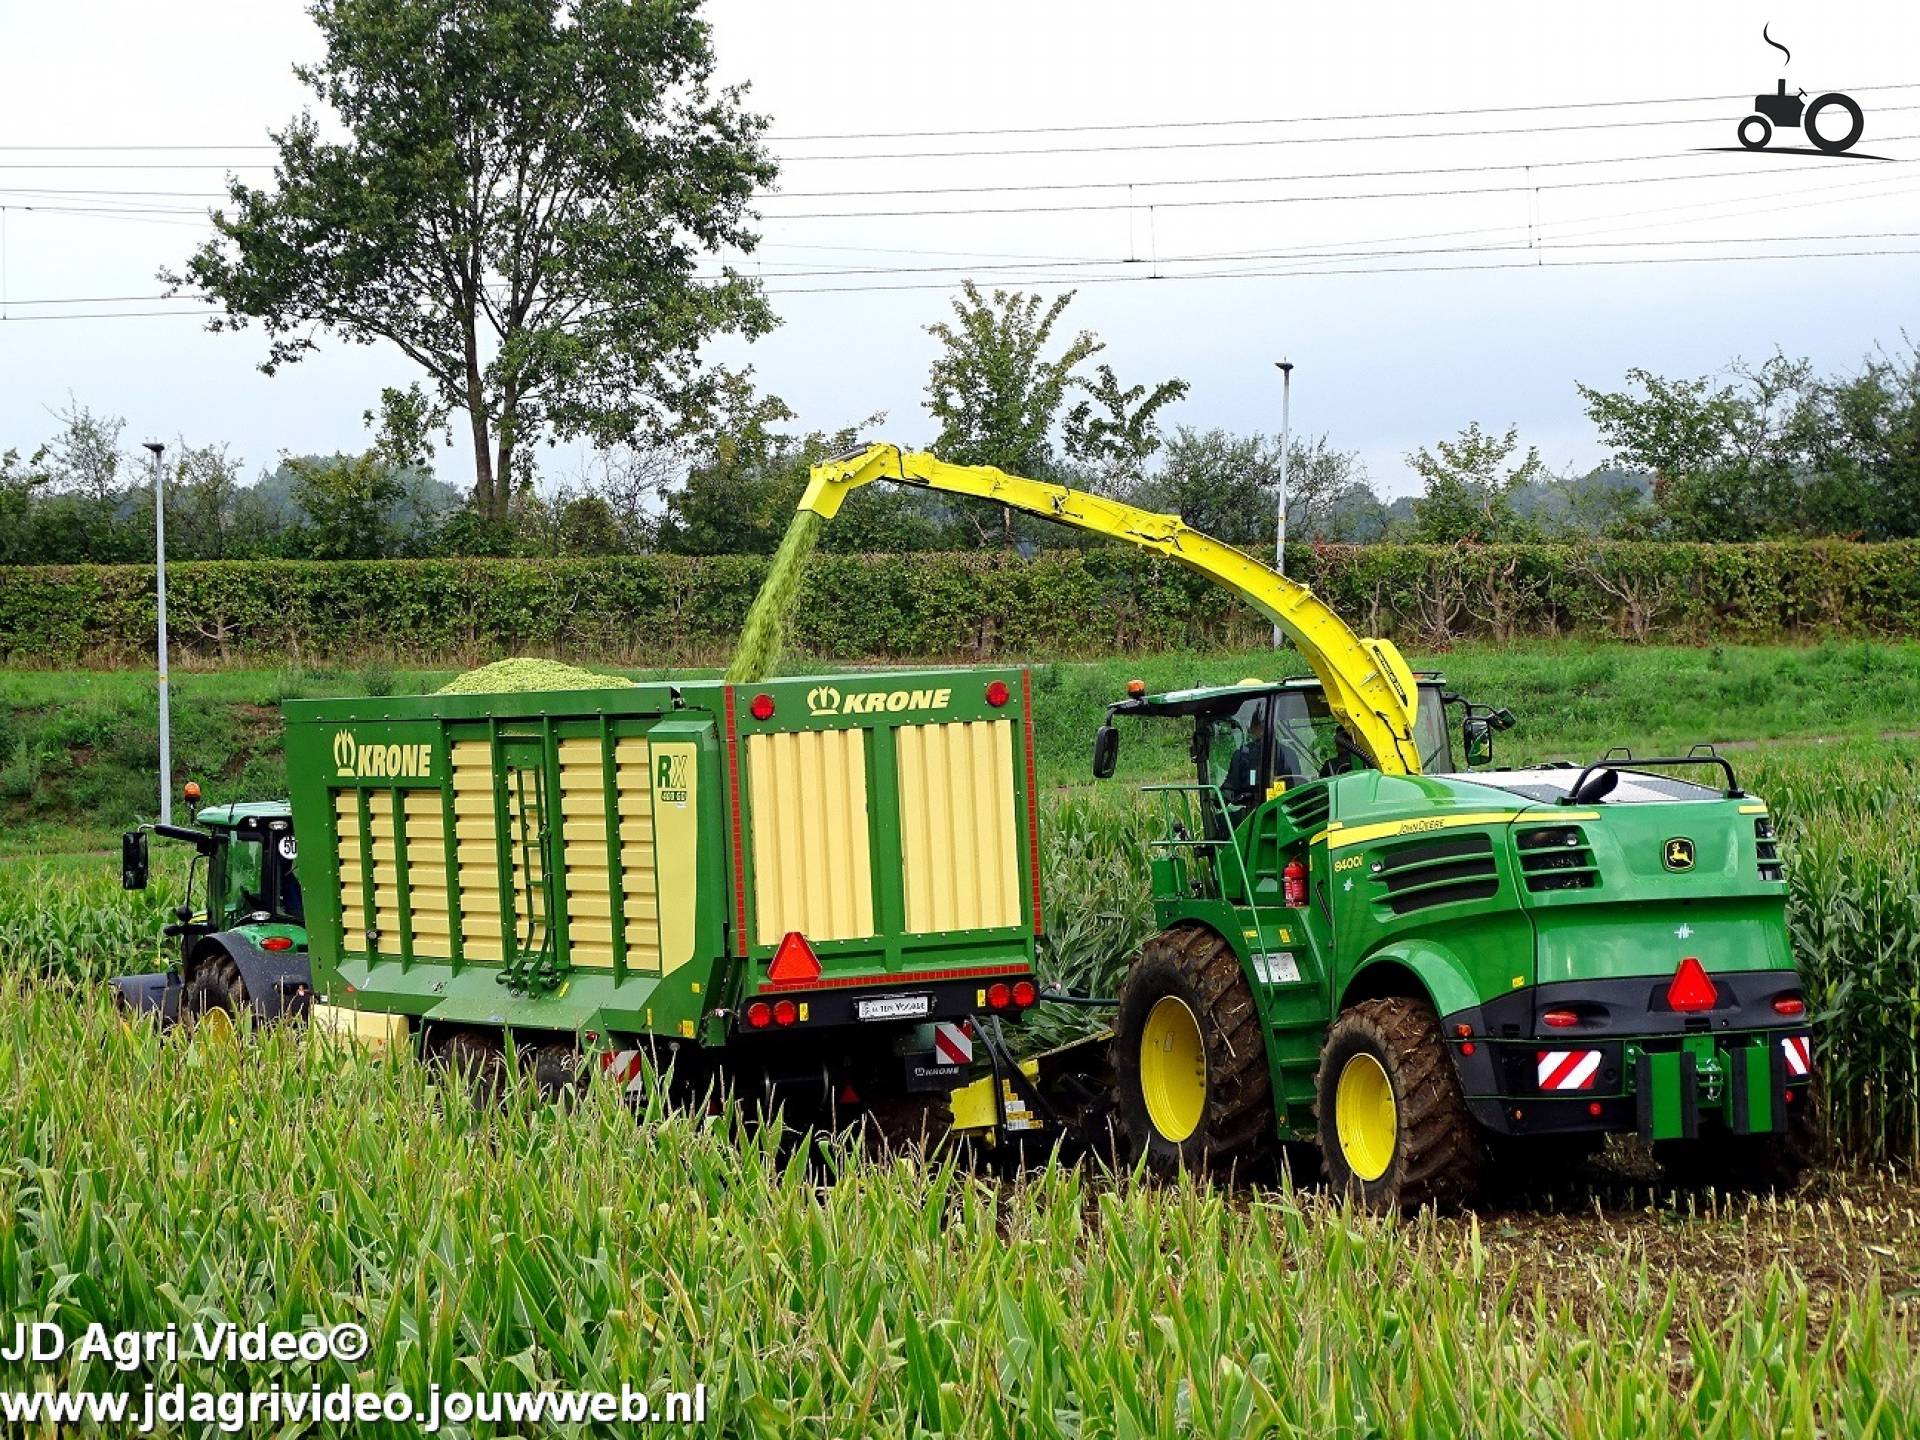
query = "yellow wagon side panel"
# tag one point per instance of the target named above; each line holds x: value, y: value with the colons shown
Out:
x: 809, y: 798
x: 478, y: 853
x: 583, y: 839
x: 633, y: 778
x: 958, y: 838
x: 427, y: 875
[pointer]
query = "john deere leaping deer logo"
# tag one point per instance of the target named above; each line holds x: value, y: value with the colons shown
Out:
x: 1793, y: 112
x: 1679, y: 853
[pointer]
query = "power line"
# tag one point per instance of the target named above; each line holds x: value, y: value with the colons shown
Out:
x: 1053, y: 185
x: 1372, y: 270
x: 1288, y: 119
x: 1107, y: 206
x: 1520, y: 133
x: 1113, y: 127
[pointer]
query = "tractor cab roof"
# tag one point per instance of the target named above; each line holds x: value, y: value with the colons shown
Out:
x: 1208, y: 699
x: 243, y: 815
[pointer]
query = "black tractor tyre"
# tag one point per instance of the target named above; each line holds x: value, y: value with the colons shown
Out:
x: 1435, y: 1154
x: 475, y: 1058
x: 557, y: 1073
x: 216, y: 985
x: 1234, y: 1132
x: 1839, y: 143
x: 1755, y: 141
x: 1774, y: 1163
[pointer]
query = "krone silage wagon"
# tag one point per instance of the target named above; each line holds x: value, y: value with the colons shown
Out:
x: 825, y: 886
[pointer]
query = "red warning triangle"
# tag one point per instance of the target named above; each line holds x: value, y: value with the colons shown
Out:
x: 1691, y: 989
x: 794, y: 962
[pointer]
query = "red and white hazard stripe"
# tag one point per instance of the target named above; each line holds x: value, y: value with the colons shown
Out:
x: 1799, y: 1052
x: 952, y: 1043
x: 1568, y: 1069
x: 622, y: 1067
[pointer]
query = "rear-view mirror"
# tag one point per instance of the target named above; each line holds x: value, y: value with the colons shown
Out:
x: 133, y: 860
x: 1106, y: 752
x: 1476, y: 737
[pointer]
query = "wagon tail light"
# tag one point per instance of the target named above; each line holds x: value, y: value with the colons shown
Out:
x: 1560, y: 1019
x: 1691, y: 988
x: 276, y: 942
x: 1789, y: 1005
x: 794, y: 963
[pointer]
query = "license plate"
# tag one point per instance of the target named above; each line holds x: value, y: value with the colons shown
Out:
x: 894, y: 1007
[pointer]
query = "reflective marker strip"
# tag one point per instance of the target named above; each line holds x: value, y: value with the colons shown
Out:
x: 1799, y: 1052
x: 952, y: 1044
x: 1568, y: 1069
x: 622, y: 1067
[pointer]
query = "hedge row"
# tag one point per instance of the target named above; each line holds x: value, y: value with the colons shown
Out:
x: 669, y: 609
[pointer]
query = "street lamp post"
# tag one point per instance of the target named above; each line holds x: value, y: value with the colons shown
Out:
x: 1286, y: 445
x: 160, y: 584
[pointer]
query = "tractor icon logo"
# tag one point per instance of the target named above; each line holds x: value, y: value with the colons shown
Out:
x: 1781, y: 111
x: 1679, y: 854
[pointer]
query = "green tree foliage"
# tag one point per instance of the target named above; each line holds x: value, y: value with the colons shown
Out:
x: 745, y: 475
x: 1725, y: 458
x: 1229, y: 486
x: 1469, y: 488
x: 519, y: 202
x: 1116, y: 430
x: 994, y: 389
x: 347, y: 499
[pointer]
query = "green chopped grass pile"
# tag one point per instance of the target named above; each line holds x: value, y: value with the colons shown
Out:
x: 526, y: 673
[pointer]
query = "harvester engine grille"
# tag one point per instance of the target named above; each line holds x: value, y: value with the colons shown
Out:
x: 1557, y: 858
x: 1443, y: 871
x: 1766, y: 845
x: 1306, y: 808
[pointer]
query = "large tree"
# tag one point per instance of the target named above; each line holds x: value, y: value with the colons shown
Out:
x: 519, y: 201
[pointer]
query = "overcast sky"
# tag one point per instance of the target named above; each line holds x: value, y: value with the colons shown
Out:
x: 1386, y: 360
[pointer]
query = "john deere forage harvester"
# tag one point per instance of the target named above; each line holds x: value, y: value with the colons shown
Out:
x: 1424, y: 971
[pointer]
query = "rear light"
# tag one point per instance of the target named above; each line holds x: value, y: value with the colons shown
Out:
x: 1463, y: 1030
x: 281, y: 942
x: 1691, y: 989
x: 1466, y: 1047
x: 1789, y: 1005
x: 759, y: 1015
x: 794, y: 963
x: 1595, y: 1108
x: 998, y: 996
x: 1560, y: 1019
x: 762, y: 706
x: 1024, y: 994
x: 785, y: 1012
x: 997, y: 693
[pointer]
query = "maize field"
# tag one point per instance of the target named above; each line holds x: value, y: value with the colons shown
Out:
x: 273, y: 1180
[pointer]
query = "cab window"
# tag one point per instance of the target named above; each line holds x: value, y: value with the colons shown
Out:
x: 1233, y: 754
x: 243, y: 876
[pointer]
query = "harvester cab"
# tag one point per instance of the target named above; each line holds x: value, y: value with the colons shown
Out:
x: 241, y: 922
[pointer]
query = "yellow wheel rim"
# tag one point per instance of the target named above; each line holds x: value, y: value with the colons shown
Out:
x: 1364, y: 1117
x: 216, y: 1025
x: 1173, y: 1069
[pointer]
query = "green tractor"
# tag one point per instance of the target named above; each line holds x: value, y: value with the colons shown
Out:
x: 243, y: 941
x: 1437, y: 976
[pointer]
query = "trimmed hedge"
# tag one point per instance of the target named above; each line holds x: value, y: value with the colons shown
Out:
x: 675, y: 610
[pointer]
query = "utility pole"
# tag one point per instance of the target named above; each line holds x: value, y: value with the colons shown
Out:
x: 160, y: 582
x: 1286, y: 444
